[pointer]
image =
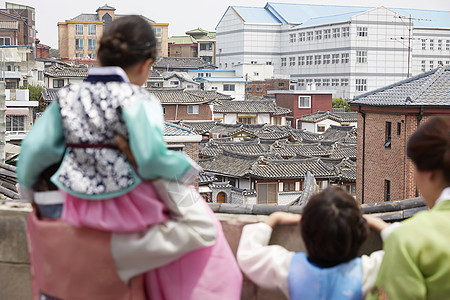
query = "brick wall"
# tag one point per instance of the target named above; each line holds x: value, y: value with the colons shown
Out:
x: 204, y: 112
x: 17, y: 37
x: 191, y: 150
x: 382, y: 163
x: 260, y: 88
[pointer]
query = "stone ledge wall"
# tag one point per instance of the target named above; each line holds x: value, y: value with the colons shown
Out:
x: 15, y: 279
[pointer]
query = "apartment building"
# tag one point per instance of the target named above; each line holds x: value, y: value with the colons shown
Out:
x: 78, y: 37
x: 348, y: 49
x: 197, y: 43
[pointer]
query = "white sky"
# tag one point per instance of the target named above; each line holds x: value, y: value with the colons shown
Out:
x: 182, y: 15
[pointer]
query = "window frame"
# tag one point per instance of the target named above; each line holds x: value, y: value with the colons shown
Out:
x: 299, y: 101
x: 193, y: 109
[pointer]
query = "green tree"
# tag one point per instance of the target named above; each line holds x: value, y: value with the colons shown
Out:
x: 340, y: 103
x: 35, y: 93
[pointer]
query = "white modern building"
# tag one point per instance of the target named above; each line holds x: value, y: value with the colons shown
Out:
x: 345, y: 48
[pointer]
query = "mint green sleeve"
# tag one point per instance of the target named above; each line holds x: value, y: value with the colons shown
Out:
x: 43, y: 146
x: 145, y: 124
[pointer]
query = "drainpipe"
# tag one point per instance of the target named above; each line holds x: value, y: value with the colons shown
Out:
x: 363, y: 114
x: 406, y: 156
x: 176, y: 112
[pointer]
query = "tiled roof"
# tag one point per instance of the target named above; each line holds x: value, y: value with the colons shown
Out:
x: 176, y: 130
x: 346, y: 170
x: 250, y: 106
x: 337, y: 116
x: 303, y: 135
x: 428, y: 89
x: 290, y: 169
x: 182, y: 40
x: 228, y: 164
x: 210, y: 95
x: 49, y: 94
x: 106, y: 7
x: 338, y: 133
x: 86, y: 18
x: 251, y: 148
x: 183, y: 76
x: 341, y: 151
x: 181, y: 63
x: 63, y: 71
x: 175, y: 96
x: 197, y: 31
x: 287, y: 149
x: 199, y: 127
x: 204, y: 178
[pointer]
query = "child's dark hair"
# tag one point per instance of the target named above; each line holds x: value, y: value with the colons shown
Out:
x: 429, y: 146
x: 126, y: 41
x: 332, y: 227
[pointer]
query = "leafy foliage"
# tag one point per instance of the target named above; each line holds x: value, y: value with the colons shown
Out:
x: 341, y: 103
x: 35, y: 93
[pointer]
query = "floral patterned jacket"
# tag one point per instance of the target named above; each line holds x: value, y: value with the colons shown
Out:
x: 79, y: 130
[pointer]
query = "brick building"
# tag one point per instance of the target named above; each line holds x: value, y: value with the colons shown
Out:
x: 386, y: 119
x: 303, y: 103
x: 259, y: 88
x: 78, y: 37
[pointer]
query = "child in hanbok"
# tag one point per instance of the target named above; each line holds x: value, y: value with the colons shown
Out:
x: 154, y: 215
x: 333, y: 229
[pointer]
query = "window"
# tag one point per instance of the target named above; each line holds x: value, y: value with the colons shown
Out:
x: 277, y: 120
x: 318, y: 82
x: 280, y: 84
x: 193, y: 109
x: 323, y: 184
x: 79, y: 55
x: 447, y: 45
x: 40, y: 75
x: 318, y: 34
x: 327, y: 34
x: 79, y: 44
x: 309, y: 36
x: 320, y: 128
x: 351, y: 188
x: 361, y: 85
x: 317, y: 59
x: 289, y: 187
x: 158, y: 32
x: 92, y: 29
x: 387, y: 190
x: 304, y: 101
x: 387, y: 135
x: 361, y: 57
x: 440, y: 63
x: 399, y: 128
x: 174, y: 82
x: 5, y: 41
x: 423, y: 65
x: 257, y: 73
x: 335, y: 58
x: 301, y: 60
x: 309, y: 60
x: 439, y: 45
x: 268, y: 63
x: 361, y: 31
x: 326, y: 59
x: 58, y: 83
x: 424, y: 44
x: 247, y: 120
x: 336, y: 33
x: 344, y: 81
x: 15, y: 123
x: 301, y: 37
x: 164, y: 110
x: 253, y: 62
x: 292, y: 38
x: 335, y: 82
x: 11, y: 85
x: 267, y: 193
x: 249, y: 89
x: 345, y: 58
x: 326, y: 82
x: 345, y: 31
x: 207, y: 74
x: 200, y: 75
x: 431, y: 44
x: 291, y: 61
x: 229, y: 87
x: 79, y: 29
x: 258, y: 89
x: 301, y: 82
x: 93, y: 55
x: 283, y: 61
x: 206, y: 46
x: 92, y: 44
x: 106, y: 19
x: 431, y: 64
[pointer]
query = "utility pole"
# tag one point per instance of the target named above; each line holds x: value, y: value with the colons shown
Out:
x: 246, y: 82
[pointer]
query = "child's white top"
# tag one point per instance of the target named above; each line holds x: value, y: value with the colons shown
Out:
x: 268, y: 266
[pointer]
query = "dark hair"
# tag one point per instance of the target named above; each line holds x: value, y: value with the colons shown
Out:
x: 126, y: 41
x: 332, y: 227
x: 429, y: 146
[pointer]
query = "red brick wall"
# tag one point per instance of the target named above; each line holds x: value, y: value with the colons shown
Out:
x: 318, y: 102
x: 204, y: 112
x: 191, y: 150
x: 17, y: 37
x: 266, y: 85
x: 381, y: 163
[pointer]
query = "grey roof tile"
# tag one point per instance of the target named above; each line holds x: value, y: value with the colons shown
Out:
x: 63, y: 71
x: 176, y: 96
x: 49, y: 94
x: 250, y: 106
x: 176, y: 130
x: 182, y: 63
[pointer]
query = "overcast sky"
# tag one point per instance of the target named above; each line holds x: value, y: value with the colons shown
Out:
x: 182, y: 15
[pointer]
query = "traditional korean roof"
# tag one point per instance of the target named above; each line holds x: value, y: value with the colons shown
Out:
x: 205, y: 178
x: 106, y: 7
x: 213, y: 148
x: 209, y: 95
x: 346, y: 170
x: 427, y: 89
x: 171, y: 129
x: 181, y: 63
x: 336, y: 116
x: 64, y: 71
x: 176, y: 96
x: 303, y: 135
x: 228, y: 164
x: 287, y: 149
x: 339, y: 150
x: 49, y: 94
x: 338, y: 133
x: 199, y: 127
x: 182, y: 40
x: 250, y: 106
x: 183, y: 76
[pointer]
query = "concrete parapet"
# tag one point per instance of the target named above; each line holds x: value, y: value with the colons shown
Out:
x: 15, y: 280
